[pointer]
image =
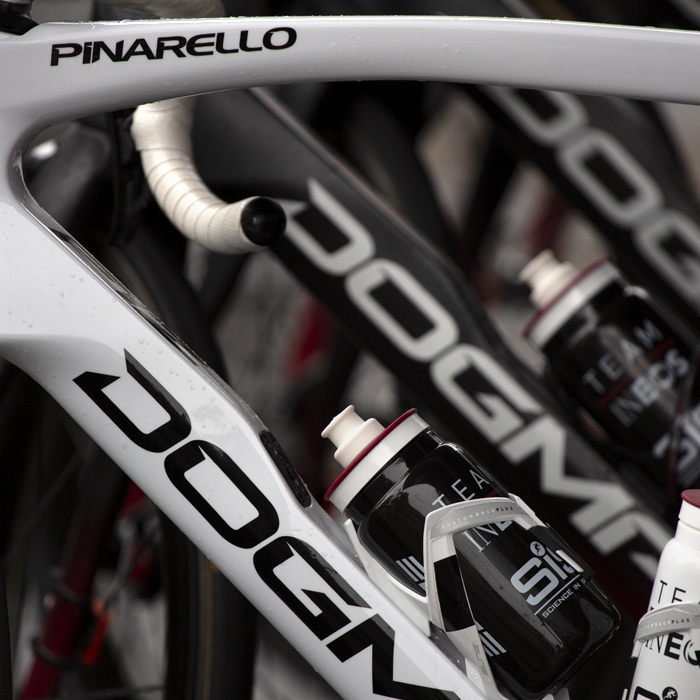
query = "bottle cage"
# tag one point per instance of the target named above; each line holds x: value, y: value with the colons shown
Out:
x: 677, y: 617
x: 438, y: 544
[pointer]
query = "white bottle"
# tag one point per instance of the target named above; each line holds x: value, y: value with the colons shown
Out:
x: 667, y: 667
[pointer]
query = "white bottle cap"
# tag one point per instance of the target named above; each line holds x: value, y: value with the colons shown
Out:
x: 365, y: 448
x: 547, y: 277
x: 690, y: 508
x: 350, y: 434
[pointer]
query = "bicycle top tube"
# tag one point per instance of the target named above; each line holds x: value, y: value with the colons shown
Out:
x: 63, y: 70
x: 76, y: 334
x: 60, y: 71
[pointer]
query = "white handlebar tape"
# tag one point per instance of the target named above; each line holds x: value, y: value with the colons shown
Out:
x: 161, y: 132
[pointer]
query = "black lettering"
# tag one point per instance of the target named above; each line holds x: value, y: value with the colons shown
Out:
x: 195, y: 45
x: 690, y: 655
x: 179, y: 462
x: 243, y: 44
x: 673, y: 597
x: 642, y: 693
x: 87, y: 52
x: 73, y: 50
x: 630, y: 668
x: 115, y: 56
x: 376, y: 633
x: 140, y: 47
x: 291, y: 38
x: 672, y: 643
x: 158, y: 440
x: 649, y: 644
x: 175, y: 45
x: 220, y: 44
x: 331, y: 618
x: 661, y: 590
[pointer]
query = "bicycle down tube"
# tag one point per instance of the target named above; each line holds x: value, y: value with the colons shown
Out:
x: 413, y: 310
x: 175, y: 429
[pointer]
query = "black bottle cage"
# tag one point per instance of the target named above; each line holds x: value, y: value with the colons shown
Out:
x: 440, y: 527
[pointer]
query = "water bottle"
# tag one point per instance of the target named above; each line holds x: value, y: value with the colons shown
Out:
x: 623, y: 365
x: 444, y: 540
x: 666, y: 660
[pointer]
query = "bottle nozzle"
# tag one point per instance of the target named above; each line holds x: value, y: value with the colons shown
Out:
x: 350, y: 434
x: 547, y: 277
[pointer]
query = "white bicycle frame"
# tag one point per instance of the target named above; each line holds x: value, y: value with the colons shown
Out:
x: 173, y: 426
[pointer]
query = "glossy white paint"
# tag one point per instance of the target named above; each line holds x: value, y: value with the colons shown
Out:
x: 60, y: 316
x: 629, y: 61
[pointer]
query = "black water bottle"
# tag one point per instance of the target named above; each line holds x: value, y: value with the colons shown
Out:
x: 624, y: 366
x: 472, y: 557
